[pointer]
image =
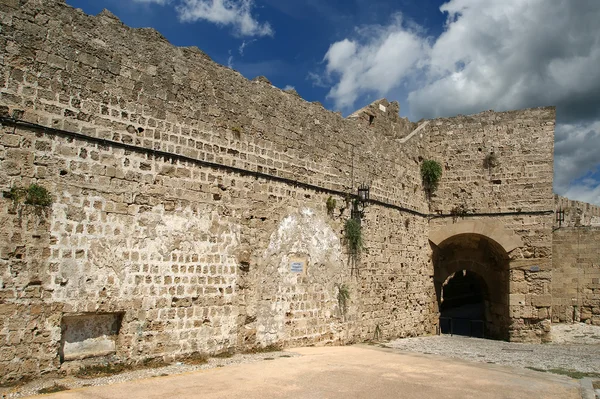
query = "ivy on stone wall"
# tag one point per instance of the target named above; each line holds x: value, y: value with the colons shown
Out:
x: 353, y: 236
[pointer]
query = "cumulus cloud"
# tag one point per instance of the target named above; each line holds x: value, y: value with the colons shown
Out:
x: 234, y: 13
x: 512, y: 54
x: 381, y: 62
x: 588, y: 191
x: 494, y: 54
x: 576, y: 154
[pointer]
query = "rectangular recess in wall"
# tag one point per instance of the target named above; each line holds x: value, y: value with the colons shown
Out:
x: 89, y: 335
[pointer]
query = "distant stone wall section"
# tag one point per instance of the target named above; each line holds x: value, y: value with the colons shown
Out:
x: 576, y: 275
x: 577, y: 213
x: 576, y: 263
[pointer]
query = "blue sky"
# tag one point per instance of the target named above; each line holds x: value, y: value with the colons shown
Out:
x: 436, y: 57
x: 302, y: 34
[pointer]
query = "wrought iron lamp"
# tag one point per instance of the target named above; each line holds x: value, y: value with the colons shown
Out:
x: 560, y: 216
x: 359, y: 204
x: 363, y: 193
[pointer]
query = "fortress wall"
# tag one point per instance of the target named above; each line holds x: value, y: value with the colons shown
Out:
x: 96, y: 76
x: 143, y: 255
x: 576, y: 275
x: 576, y: 263
x: 191, y: 259
x: 576, y: 213
x: 515, y: 191
x: 522, y: 143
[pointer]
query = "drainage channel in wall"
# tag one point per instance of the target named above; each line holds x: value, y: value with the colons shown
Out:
x: 89, y: 335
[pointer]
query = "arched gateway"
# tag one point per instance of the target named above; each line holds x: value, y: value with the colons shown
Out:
x: 471, y: 277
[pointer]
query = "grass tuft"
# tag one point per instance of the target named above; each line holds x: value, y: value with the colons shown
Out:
x: 574, y: 373
x: 569, y: 373
x: 104, y: 370
x: 53, y: 388
x: 265, y: 349
x: 195, y: 359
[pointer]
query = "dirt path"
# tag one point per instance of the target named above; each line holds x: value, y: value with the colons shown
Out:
x: 344, y: 372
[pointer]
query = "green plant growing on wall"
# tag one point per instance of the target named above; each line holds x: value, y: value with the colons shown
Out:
x: 431, y: 173
x: 38, y: 196
x: 353, y: 236
x: 33, y: 195
x: 16, y: 194
x: 330, y: 205
x: 343, y: 298
x: 459, y: 211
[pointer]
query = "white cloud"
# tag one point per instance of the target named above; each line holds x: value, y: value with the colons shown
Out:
x: 289, y: 87
x: 235, y: 13
x: 230, y: 61
x: 244, y: 45
x: 317, y: 80
x: 508, y: 54
x: 576, y: 152
x: 378, y: 64
x: 588, y: 191
x: 493, y: 54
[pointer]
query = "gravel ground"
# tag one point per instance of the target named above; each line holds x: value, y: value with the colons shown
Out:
x: 578, y: 349
x: 71, y: 382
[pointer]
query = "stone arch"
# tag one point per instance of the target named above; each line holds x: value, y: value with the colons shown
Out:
x: 495, y: 232
x: 486, y: 258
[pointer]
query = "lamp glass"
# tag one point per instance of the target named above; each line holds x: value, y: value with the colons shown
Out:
x: 363, y: 193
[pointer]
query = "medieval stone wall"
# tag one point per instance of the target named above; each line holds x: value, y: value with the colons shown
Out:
x: 497, y: 171
x: 576, y: 213
x: 185, y: 256
x: 576, y: 263
x: 189, y: 204
x: 196, y: 260
x: 96, y: 76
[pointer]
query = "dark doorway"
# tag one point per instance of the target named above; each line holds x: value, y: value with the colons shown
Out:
x: 462, y: 311
x: 471, y: 278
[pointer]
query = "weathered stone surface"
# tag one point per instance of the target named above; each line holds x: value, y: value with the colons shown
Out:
x: 576, y: 263
x: 196, y: 253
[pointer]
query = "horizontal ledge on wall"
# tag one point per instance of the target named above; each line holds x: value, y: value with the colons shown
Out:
x: 244, y: 172
x: 168, y: 155
x: 468, y: 215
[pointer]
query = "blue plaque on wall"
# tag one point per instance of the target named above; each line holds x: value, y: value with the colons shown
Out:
x: 297, y: 267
